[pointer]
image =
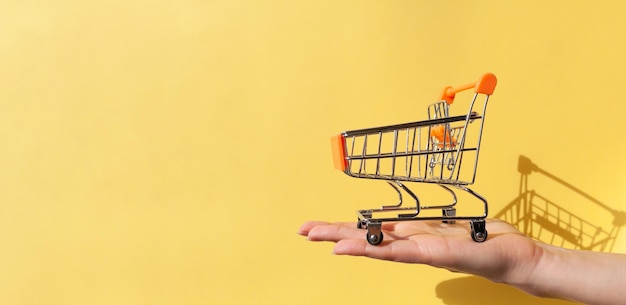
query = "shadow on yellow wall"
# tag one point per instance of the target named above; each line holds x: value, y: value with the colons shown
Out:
x: 543, y: 219
x: 536, y: 215
x: 473, y: 290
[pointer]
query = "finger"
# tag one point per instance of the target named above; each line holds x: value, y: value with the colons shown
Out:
x: 335, y: 232
x: 406, y: 251
x: 307, y: 226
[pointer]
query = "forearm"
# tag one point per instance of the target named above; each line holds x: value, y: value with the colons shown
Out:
x: 582, y: 276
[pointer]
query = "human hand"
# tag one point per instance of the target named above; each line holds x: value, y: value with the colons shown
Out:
x: 506, y: 256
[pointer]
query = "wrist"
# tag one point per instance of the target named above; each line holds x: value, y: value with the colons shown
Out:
x: 577, y: 275
x: 540, y: 281
x: 531, y: 274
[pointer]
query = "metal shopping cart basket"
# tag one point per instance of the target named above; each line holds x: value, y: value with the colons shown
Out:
x: 441, y: 150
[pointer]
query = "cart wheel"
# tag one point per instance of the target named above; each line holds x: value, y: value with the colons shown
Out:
x: 374, y: 233
x: 359, y: 224
x: 479, y: 237
x: 449, y: 213
x: 375, y: 239
x: 479, y: 232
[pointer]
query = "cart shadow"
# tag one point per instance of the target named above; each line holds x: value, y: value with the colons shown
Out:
x: 539, y: 217
x: 474, y: 290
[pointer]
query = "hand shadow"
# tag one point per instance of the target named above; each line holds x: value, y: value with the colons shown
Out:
x: 474, y: 290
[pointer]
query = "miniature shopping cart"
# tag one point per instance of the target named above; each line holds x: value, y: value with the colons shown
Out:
x: 442, y: 150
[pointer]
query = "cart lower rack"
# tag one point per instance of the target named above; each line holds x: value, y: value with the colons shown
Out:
x: 441, y: 150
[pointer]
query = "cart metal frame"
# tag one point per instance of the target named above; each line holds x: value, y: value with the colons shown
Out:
x: 429, y: 151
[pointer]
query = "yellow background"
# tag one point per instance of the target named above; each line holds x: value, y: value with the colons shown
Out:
x: 166, y: 152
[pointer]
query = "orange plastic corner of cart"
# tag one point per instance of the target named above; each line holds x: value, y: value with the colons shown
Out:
x: 448, y: 95
x: 443, y: 136
x: 338, y: 145
x: 486, y: 84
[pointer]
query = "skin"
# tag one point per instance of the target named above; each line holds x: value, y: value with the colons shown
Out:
x: 508, y: 256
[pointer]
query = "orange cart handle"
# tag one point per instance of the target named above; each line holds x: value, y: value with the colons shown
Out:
x: 338, y: 144
x: 485, y: 85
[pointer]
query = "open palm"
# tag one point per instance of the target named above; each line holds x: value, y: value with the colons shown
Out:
x: 506, y: 256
